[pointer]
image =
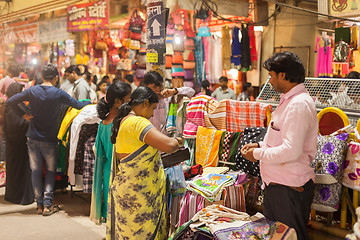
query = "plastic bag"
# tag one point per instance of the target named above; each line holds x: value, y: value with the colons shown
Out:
x: 176, y: 181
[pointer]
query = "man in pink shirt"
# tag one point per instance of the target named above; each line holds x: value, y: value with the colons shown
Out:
x: 288, y: 147
x: 13, y: 73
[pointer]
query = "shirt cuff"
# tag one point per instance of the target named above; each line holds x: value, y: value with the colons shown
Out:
x: 257, y: 152
x: 261, y: 144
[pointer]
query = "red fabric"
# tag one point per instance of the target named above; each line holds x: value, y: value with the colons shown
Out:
x: 253, y: 51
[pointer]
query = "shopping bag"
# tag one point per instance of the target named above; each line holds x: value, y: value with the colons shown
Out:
x: 175, y: 180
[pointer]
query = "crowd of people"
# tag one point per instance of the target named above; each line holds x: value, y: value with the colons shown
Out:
x: 131, y: 135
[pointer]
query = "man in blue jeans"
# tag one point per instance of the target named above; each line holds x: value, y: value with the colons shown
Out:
x: 44, y: 102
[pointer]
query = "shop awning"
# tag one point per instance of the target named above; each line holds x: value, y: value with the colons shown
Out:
x: 36, y: 9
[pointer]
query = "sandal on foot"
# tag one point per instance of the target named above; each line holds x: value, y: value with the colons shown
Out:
x: 39, y: 210
x: 50, y: 210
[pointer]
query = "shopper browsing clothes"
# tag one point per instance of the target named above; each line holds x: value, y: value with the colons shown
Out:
x: 107, y: 108
x: 155, y: 81
x: 137, y: 184
x: 44, y: 103
x: 246, y: 93
x: 288, y: 147
x: 223, y: 92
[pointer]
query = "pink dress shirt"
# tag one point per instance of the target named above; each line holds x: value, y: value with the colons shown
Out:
x: 6, y: 82
x: 290, y: 142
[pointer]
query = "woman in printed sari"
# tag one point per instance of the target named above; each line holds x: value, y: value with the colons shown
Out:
x: 107, y: 108
x: 136, y: 204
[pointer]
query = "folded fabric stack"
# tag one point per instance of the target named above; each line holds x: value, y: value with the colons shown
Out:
x: 218, y: 170
x: 211, y: 186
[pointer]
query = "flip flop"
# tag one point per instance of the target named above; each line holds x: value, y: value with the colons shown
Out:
x: 39, y: 210
x: 51, y: 210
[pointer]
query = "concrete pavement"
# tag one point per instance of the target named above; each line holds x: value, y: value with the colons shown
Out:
x: 19, y: 222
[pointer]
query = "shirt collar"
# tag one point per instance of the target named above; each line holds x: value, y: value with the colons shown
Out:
x: 226, y: 91
x: 77, y: 81
x: 294, y: 91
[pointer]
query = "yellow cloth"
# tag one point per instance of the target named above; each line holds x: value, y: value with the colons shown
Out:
x: 81, y: 60
x: 65, y: 124
x: 132, y: 126
x: 207, y: 147
x: 136, y: 200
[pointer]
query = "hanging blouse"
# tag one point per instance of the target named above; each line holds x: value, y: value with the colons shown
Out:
x: 235, y: 47
x: 226, y: 48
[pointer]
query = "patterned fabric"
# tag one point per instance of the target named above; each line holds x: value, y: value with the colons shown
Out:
x: 242, y: 114
x: 171, y: 119
x: 207, y: 147
x: 218, y: 170
x: 261, y: 228
x: 235, y: 198
x: 351, y: 176
x: 136, y: 203
x: 63, y: 134
x: 229, y: 146
x: 250, y: 135
x: 191, y: 144
x: 89, y: 164
x: 216, y: 116
x: 199, y: 59
x: 195, y: 114
x: 253, y: 190
x: 327, y: 197
x: 190, y: 205
x: 329, y: 158
x: 87, y: 131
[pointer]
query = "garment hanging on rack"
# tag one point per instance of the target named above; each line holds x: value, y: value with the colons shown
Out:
x: 235, y: 48
x: 324, y: 60
x: 214, y: 60
x: 253, y: 50
x: 89, y: 164
x: 87, y: 131
x: 245, y: 50
x: 226, y: 48
x: 342, y: 34
x: 199, y: 59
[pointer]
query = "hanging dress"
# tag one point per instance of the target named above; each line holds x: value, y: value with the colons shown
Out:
x: 324, y: 60
x: 226, y: 48
x: 245, y: 50
x: 235, y: 48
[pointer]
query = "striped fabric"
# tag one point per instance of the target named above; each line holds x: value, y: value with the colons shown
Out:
x: 235, y: 198
x: 190, y: 205
x: 89, y: 165
x: 216, y: 116
x: 218, y: 170
x: 242, y: 114
x: 195, y: 114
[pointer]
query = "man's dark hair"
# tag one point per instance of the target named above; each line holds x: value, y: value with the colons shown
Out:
x: 129, y: 78
x: 246, y: 86
x: 88, y: 76
x: 353, y: 75
x: 74, y: 68
x: 153, y: 77
x: 223, y: 79
x: 288, y: 63
x: 68, y: 69
x: 49, y: 71
x: 14, y: 70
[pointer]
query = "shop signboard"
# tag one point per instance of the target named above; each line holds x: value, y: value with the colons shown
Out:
x: 155, y: 34
x: 88, y: 16
x: 344, y: 8
x: 53, y: 30
x: 19, y: 32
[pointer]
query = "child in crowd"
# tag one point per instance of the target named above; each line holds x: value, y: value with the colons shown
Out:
x: 102, y: 87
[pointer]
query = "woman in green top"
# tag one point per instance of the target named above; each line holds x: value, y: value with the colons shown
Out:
x: 117, y: 94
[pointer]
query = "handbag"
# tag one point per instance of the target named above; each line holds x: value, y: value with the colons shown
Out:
x: 189, y: 44
x: 351, y: 176
x: 101, y: 45
x: 140, y: 72
x: 204, y: 31
x: 189, y: 65
x: 177, y: 71
x: 177, y: 82
x: 134, y: 44
x: 188, y: 74
x: 124, y: 64
x: 169, y: 49
x: 341, y: 52
x: 178, y: 42
x: 141, y: 60
x: 327, y: 197
x: 329, y: 158
x: 171, y: 159
x: 135, y: 36
x: 176, y: 15
x: 168, y: 61
x: 177, y: 58
x: 168, y: 74
x: 136, y: 22
x: 169, y: 38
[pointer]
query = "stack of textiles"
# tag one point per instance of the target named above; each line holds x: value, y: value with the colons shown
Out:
x: 224, y: 223
x: 211, y: 186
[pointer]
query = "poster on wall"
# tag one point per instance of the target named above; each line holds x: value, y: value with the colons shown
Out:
x: 345, y: 8
x: 88, y: 16
x: 52, y: 30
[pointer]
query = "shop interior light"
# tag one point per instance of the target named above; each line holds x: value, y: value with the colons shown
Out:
x: 258, y: 28
x: 177, y: 40
x: 34, y: 61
